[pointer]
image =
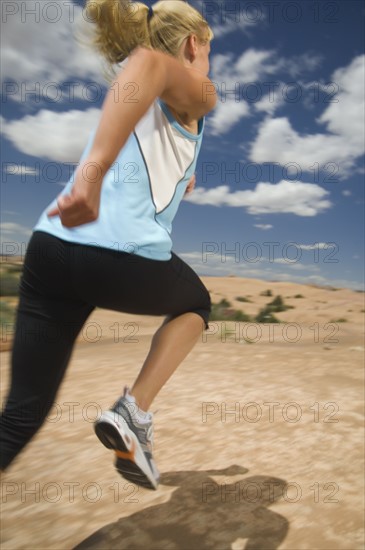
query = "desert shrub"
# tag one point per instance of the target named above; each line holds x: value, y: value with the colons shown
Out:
x: 299, y: 296
x: 265, y: 315
x: 266, y: 293
x: 9, y: 284
x: 240, y: 316
x: 243, y: 299
x: 224, y: 312
x: 7, y: 313
x: 14, y: 268
x: 278, y: 305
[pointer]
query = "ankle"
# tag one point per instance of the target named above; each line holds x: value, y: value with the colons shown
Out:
x: 141, y: 399
x: 140, y: 404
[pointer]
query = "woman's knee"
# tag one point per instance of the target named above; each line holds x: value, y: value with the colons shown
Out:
x: 19, y: 422
x: 204, y: 307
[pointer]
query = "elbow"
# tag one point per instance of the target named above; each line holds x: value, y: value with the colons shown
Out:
x: 209, y: 96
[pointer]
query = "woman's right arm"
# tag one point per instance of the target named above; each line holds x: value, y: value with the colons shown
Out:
x: 148, y: 74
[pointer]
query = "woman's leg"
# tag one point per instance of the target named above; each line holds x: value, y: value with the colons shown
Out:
x: 61, y: 285
x: 48, y: 322
x: 133, y: 284
x: 137, y: 285
x: 189, y: 307
x: 170, y: 345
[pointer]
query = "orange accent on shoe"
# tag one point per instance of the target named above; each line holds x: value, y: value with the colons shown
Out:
x: 129, y: 455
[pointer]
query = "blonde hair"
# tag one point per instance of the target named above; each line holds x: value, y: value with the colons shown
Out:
x: 122, y: 25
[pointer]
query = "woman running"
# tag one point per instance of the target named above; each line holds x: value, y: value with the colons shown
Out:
x: 105, y: 241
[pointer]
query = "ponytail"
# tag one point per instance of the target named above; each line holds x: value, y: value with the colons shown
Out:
x: 122, y: 25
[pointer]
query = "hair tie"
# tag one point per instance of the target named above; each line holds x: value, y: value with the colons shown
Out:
x: 150, y: 13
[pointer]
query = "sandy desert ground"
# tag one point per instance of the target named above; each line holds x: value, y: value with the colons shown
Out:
x: 260, y: 444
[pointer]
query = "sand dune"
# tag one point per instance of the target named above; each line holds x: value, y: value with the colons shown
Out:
x: 260, y: 444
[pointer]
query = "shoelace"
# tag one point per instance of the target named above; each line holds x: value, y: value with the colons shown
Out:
x: 150, y: 416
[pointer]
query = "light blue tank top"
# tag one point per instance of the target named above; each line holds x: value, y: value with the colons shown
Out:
x: 141, y: 192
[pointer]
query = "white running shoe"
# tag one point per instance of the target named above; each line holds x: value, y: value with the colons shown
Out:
x: 122, y: 429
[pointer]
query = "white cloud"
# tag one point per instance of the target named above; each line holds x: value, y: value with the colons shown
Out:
x: 11, y: 228
x: 229, y: 76
x: 337, y: 283
x: 254, y: 63
x: 346, y: 193
x: 42, y: 48
x: 316, y: 246
x: 249, y: 67
x: 240, y: 23
x: 246, y: 84
x: 278, y: 141
x: 226, y: 115
x: 299, y: 64
x: 302, y: 199
x: 56, y: 136
x: 271, y: 101
x: 297, y: 266
x: 20, y: 169
x: 342, y: 116
x: 264, y: 227
x: 219, y: 264
x: 226, y: 18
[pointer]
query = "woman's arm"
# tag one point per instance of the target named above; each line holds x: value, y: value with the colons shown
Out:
x: 148, y: 74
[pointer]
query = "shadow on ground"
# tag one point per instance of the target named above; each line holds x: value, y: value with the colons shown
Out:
x: 202, y: 514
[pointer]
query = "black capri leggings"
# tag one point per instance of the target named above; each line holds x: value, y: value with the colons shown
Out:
x: 61, y: 285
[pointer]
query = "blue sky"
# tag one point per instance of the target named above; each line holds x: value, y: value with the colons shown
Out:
x: 280, y: 179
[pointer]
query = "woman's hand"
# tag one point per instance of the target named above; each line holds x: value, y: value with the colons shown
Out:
x: 191, y: 186
x: 82, y: 204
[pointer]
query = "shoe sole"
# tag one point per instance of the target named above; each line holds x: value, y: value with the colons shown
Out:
x: 131, y: 462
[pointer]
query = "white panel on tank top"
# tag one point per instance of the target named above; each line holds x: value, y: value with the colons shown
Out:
x: 168, y: 155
